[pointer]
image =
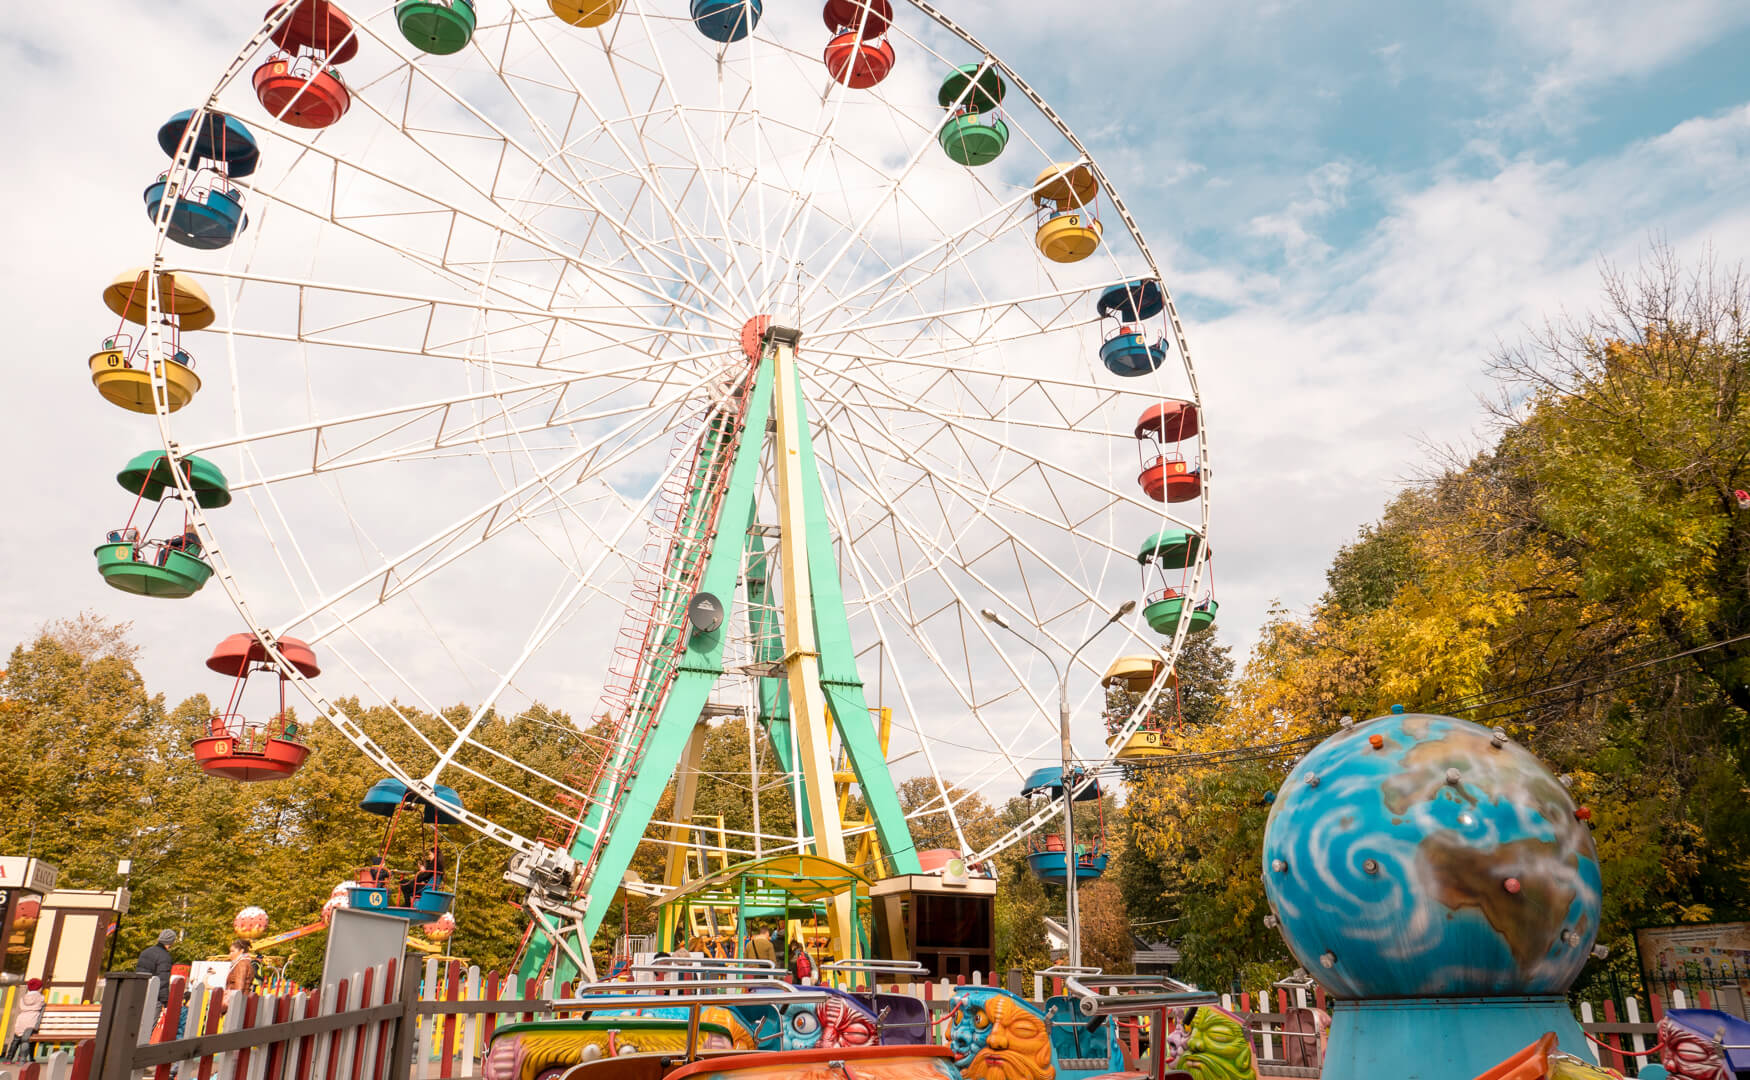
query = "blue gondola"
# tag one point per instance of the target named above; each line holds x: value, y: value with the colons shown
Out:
x: 419, y: 897
x: 205, y: 218
x: 208, y: 212
x: 1049, y: 780
x: 1132, y: 301
x: 221, y: 138
x: 1046, y: 856
x: 385, y: 796
x: 1126, y: 352
x: 1048, y: 865
x: 726, y: 20
x: 427, y: 905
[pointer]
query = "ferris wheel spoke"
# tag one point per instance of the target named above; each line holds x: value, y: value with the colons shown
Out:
x: 1063, y: 308
x: 731, y: 249
x: 576, y: 184
x: 932, y: 360
x: 642, y: 284
x: 402, y: 307
x: 637, y: 248
x: 1005, y: 218
x: 885, y: 496
x: 457, y: 538
x: 965, y: 562
x: 890, y: 194
x: 440, y: 432
x: 880, y: 398
x: 836, y: 515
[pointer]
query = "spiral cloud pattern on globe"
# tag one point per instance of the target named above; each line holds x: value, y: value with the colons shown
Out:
x: 1441, y: 861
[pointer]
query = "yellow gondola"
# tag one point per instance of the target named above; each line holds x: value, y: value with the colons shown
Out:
x: 183, y: 305
x: 585, y: 13
x: 1064, y: 198
x: 1136, y: 674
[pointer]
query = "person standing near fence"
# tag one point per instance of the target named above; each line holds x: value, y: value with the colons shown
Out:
x: 155, y: 960
x: 25, y: 1022
x: 241, y: 975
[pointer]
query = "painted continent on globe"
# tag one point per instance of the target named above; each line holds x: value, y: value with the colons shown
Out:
x: 1420, y: 856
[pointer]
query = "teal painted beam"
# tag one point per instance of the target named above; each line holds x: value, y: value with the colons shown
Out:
x: 700, y: 666
x: 838, y: 668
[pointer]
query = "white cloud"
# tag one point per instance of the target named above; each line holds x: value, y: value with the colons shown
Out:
x: 1320, y: 391
x: 1294, y: 226
x: 1587, y: 43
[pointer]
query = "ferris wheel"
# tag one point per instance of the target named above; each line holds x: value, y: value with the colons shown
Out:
x: 666, y: 365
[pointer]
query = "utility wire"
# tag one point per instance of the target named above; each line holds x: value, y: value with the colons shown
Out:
x: 1604, y: 675
x: 1291, y: 747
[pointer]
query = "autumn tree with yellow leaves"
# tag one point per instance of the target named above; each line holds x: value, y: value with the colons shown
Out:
x: 1584, y: 583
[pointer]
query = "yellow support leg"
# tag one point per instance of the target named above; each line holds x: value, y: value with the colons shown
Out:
x: 801, y: 654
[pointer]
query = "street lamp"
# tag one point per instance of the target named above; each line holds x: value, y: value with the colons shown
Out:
x: 1072, y: 911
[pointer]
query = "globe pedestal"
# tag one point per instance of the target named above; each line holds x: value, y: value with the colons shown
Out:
x: 1439, y: 882
x: 1442, y: 1038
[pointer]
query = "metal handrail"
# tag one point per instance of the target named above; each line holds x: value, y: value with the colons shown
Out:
x: 680, y: 990
x: 671, y: 963
x: 885, y: 967
x: 1093, y: 1003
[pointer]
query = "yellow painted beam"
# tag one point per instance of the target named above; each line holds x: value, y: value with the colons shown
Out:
x: 686, y: 791
x: 801, y: 653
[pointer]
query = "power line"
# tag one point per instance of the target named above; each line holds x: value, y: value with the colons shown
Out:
x: 1291, y: 747
x: 1609, y: 674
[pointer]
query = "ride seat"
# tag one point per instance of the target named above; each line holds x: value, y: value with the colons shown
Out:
x: 1054, y: 843
x: 1071, y: 1036
x: 905, y: 1021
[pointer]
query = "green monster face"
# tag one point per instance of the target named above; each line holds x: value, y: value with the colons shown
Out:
x: 1213, y: 1046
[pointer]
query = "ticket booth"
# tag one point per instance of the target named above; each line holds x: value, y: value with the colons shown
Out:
x: 946, y: 922
x: 70, y: 939
x: 23, y: 883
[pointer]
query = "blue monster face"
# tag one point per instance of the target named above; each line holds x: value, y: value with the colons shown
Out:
x: 801, y: 1028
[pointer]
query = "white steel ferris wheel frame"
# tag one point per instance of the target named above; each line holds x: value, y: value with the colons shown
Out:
x: 857, y: 367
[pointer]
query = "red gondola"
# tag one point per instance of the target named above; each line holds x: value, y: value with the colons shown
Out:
x: 299, y: 83
x: 241, y: 749
x: 1166, y: 474
x: 870, y: 17
x: 859, y: 54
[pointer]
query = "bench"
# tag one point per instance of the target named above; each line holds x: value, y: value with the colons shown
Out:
x: 67, y: 1023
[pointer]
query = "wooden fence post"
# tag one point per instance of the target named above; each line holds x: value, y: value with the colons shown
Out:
x: 401, y: 1054
x: 118, y: 1024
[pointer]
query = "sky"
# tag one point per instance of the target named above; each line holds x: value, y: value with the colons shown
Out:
x: 1354, y: 203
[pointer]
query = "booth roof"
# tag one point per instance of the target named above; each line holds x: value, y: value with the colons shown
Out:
x: 799, y: 877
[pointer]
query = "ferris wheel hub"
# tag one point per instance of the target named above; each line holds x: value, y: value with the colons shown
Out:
x: 753, y: 334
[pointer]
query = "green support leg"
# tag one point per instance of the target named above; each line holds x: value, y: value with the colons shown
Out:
x: 700, y: 668
x: 838, y: 675
x: 768, y: 629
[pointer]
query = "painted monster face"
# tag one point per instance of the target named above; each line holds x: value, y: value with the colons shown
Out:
x: 998, y: 1037
x: 801, y: 1028
x: 1688, y: 1056
x: 1211, y: 1045
x: 834, y: 1022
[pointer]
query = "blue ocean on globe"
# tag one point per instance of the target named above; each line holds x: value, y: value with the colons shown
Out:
x: 1421, y: 856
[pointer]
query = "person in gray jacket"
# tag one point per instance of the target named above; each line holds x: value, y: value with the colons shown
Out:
x: 156, y: 960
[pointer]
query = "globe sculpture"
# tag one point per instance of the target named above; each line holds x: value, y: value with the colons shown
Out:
x: 1415, y: 859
